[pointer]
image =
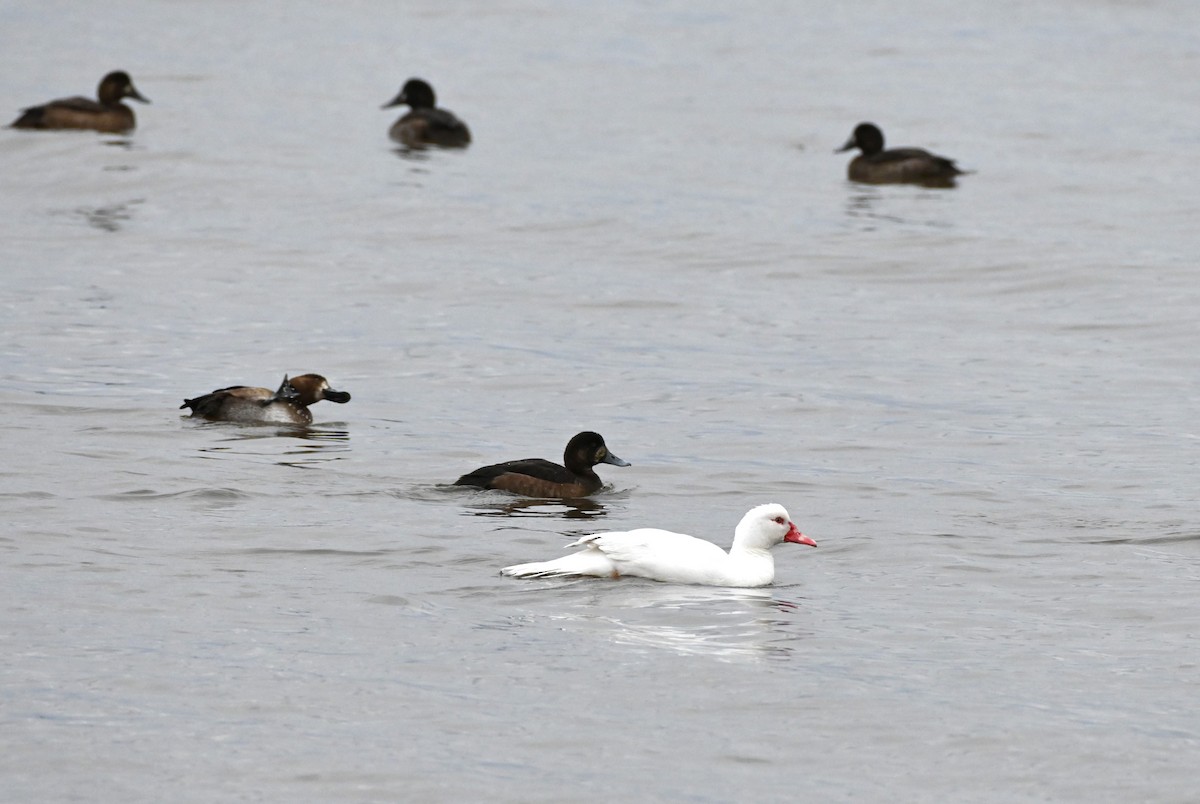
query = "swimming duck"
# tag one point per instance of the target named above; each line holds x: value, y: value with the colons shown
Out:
x: 425, y: 124
x: 536, y: 477
x: 898, y: 165
x: 661, y: 555
x: 108, y: 115
x: 247, y: 405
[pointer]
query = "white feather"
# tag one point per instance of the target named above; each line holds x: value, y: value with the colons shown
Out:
x: 663, y: 555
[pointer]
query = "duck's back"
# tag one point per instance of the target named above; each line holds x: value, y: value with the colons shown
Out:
x: 903, y: 165
x: 664, y: 555
x: 533, y: 477
x: 77, y: 113
x: 655, y: 547
x: 227, y: 403
x: 431, y: 127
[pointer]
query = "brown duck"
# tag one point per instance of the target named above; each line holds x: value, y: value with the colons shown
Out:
x: 107, y: 114
x: 248, y: 405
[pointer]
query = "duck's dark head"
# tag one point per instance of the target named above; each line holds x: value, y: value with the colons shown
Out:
x: 415, y: 93
x: 866, y: 137
x: 117, y: 85
x: 588, y: 449
x: 312, y: 388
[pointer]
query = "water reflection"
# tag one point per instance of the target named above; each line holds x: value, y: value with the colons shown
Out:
x: 861, y: 204
x: 307, y: 445
x: 418, y: 155
x: 866, y: 204
x: 581, y: 508
x: 713, y: 621
x: 421, y: 156
x: 316, y: 445
x: 109, y: 218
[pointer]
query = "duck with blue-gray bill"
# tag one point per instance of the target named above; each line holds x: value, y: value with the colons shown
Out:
x: 425, y: 124
x: 897, y: 165
x: 106, y: 114
x: 537, y: 477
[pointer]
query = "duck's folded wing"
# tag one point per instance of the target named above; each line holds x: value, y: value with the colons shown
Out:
x: 210, y: 403
x: 915, y: 163
x: 35, y: 116
x: 530, y: 467
x: 655, y: 553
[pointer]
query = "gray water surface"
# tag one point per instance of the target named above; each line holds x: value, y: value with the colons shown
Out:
x: 980, y: 402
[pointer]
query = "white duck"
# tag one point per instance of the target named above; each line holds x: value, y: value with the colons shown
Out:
x: 661, y: 555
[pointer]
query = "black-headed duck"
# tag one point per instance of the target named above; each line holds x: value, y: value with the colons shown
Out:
x: 536, y: 477
x: 898, y: 165
x: 248, y: 405
x: 108, y: 114
x: 425, y: 124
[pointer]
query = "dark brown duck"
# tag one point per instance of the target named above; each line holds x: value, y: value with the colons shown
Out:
x: 425, y: 124
x: 536, y: 477
x: 107, y: 114
x: 898, y: 165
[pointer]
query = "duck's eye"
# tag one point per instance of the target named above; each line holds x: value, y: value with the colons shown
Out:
x: 779, y: 520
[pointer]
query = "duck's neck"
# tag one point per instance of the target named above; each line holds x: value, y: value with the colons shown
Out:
x: 739, y: 552
x: 582, y: 470
x: 750, y: 566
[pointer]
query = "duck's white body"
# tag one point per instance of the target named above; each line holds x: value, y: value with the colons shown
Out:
x: 662, y: 555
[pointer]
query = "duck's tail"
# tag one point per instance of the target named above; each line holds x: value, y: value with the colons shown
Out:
x: 588, y: 561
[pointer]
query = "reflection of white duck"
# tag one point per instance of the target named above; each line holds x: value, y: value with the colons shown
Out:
x: 721, y: 622
x: 661, y: 555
